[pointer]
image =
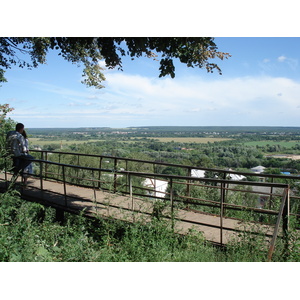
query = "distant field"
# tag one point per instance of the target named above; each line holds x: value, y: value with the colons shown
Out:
x: 37, y: 141
x: 287, y: 144
x: 197, y: 140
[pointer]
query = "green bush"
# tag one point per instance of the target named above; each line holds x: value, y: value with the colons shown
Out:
x: 29, y: 232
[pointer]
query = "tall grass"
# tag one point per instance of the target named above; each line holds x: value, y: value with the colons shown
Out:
x: 29, y: 233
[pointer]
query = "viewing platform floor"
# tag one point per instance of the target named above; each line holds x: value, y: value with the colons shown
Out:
x: 103, y: 204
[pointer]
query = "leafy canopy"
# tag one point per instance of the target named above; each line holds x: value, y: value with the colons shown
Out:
x: 29, y: 52
x: 6, y: 124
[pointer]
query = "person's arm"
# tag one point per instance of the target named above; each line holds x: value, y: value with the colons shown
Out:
x: 23, y: 144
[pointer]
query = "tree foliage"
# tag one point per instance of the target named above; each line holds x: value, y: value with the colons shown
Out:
x: 6, y: 124
x: 29, y: 52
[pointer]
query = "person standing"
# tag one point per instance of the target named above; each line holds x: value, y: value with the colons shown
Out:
x: 28, y: 170
x: 17, y: 149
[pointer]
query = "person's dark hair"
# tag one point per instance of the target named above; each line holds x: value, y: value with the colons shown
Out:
x: 24, y: 134
x: 19, y: 126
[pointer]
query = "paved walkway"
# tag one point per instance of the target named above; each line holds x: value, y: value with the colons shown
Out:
x: 105, y: 204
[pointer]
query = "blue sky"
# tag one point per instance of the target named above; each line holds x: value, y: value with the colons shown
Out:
x: 260, y: 86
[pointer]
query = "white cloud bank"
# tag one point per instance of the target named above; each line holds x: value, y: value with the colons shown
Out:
x: 131, y: 100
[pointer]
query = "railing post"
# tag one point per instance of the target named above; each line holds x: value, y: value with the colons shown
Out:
x: 100, y: 167
x: 58, y: 166
x: 130, y: 191
x: 115, y: 175
x: 222, y: 211
x: 286, y: 213
x: 65, y: 188
x: 271, y: 192
x: 41, y: 175
x: 126, y: 169
x: 77, y: 169
x: 285, y: 223
x: 45, y: 158
x: 280, y: 215
x: 172, y: 202
x: 93, y: 178
x: 224, y: 193
x: 188, y: 188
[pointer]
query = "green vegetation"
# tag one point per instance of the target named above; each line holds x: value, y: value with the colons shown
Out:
x: 239, y: 148
x: 30, y: 233
x: 57, y: 144
x: 197, y: 140
x: 281, y: 144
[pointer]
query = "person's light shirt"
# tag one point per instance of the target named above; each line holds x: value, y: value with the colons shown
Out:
x: 15, y: 143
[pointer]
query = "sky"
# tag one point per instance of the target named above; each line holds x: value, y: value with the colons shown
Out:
x: 259, y: 86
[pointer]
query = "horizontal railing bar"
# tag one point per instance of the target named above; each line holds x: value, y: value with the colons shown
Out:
x: 229, y: 206
x: 174, y: 165
x: 142, y: 174
x: 179, y: 182
x: 231, y: 189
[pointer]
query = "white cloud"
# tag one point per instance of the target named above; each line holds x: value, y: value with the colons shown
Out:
x: 195, y: 90
x: 136, y: 101
x: 193, y: 99
x: 292, y: 62
x: 281, y: 58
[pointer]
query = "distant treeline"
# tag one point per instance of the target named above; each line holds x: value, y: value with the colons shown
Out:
x: 171, y: 129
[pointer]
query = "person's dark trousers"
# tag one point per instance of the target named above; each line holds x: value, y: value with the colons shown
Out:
x: 21, y: 162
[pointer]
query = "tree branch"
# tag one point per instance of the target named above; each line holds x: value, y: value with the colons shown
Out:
x: 15, y: 46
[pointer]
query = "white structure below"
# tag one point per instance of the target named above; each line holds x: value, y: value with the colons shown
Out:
x: 198, y: 173
x: 258, y: 169
x: 159, y: 187
x: 236, y: 177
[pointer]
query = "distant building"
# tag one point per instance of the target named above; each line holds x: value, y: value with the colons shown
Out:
x: 258, y: 169
x: 201, y: 174
x: 198, y: 173
x: 235, y: 177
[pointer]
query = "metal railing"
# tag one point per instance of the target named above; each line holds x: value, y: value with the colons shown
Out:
x: 211, y: 196
x: 45, y: 154
x: 158, y: 167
